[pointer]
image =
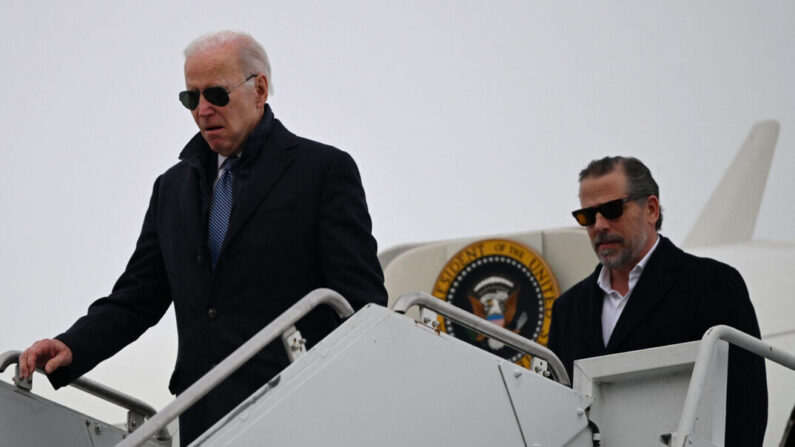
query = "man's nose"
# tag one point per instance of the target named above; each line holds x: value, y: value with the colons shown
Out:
x: 600, y: 222
x: 204, y: 108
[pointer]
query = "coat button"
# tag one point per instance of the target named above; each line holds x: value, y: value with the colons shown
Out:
x: 212, y: 314
x: 200, y: 259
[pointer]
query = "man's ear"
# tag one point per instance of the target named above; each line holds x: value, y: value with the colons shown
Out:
x: 261, y: 86
x: 653, y: 209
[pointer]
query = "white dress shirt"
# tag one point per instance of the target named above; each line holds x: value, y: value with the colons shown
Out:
x: 613, y: 303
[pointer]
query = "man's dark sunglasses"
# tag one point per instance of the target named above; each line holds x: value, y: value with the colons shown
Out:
x: 610, y: 210
x: 217, y: 96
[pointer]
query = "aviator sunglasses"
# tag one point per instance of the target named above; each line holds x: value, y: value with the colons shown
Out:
x: 217, y: 96
x: 610, y: 210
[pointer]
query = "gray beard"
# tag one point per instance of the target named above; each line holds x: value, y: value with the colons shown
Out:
x: 630, y: 250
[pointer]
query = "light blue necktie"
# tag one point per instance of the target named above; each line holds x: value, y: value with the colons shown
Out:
x: 220, y: 209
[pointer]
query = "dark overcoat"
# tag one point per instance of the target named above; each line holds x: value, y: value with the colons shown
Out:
x: 299, y: 222
x: 678, y: 297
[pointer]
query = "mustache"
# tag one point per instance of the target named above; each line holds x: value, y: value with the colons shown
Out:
x: 602, y: 238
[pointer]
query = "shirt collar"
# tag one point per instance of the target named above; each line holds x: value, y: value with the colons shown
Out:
x: 222, y: 159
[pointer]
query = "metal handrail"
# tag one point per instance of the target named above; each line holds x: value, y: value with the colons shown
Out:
x: 709, y: 344
x: 482, y: 326
x: 9, y: 358
x: 94, y: 388
x: 236, y: 359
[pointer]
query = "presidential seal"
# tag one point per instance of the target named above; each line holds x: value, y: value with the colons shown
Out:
x: 504, y: 282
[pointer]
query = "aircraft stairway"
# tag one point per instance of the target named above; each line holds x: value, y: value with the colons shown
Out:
x: 384, y: 379
x: 27, y: 419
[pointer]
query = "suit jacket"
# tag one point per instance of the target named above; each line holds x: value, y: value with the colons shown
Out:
x: 677, y: 298
x: 299, y: 222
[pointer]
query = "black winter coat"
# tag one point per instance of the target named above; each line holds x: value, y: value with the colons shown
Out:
x: 299, y: 222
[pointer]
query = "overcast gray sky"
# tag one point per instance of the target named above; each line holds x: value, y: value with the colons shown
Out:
x: 466, y: 118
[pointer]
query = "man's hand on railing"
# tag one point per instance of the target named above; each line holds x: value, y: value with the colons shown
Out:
x: 50, y: 354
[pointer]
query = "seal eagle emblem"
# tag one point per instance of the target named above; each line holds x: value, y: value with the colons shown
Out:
x: 505, y: 283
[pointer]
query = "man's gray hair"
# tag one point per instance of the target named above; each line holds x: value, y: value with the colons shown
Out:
x: 252, y: 56
x: 640, y: 183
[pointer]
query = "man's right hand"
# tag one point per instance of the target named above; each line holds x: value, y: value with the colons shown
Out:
x: 49, y: 353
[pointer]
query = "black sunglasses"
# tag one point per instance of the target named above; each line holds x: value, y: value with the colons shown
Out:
x: 217, y: 96
x: 610, y: 210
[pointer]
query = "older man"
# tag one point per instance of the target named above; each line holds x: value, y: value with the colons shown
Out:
x: 252, y: 218
x: 646, y: 292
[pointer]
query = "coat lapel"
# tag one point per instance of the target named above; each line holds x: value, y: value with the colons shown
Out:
x: 653, y: 286
x: 195, y: 194
x: 191, y: 209
x: 592, y: 322
x: 272, y: 160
